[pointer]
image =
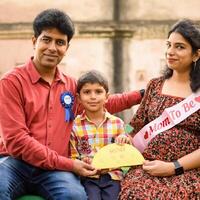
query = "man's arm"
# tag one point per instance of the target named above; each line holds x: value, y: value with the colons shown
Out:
x: 119, y: 102
x: 17, y: 140
x: 16, y: 136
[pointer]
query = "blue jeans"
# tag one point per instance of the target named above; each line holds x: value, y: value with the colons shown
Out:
x: 18, y: 178
x: 103, y: 188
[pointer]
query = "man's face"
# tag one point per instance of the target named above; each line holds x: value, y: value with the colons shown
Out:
x: 50, y: 48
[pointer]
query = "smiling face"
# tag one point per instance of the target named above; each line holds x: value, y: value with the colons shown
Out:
x: 93, y: 97
x: 179, y: 53
x: 50, y: 48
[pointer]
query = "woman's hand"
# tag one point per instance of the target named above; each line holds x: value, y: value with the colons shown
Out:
x: 158, y: 168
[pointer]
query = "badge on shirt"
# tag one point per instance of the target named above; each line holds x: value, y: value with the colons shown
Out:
x: 67, y: 101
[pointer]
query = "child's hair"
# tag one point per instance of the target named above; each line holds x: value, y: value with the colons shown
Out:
x: 92, y: 76
x: 53, y: 18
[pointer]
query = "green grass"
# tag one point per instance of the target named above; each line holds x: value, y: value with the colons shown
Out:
x: 30, y: 197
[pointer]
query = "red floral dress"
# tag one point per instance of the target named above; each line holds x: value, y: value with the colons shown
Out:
x: 170, y: 145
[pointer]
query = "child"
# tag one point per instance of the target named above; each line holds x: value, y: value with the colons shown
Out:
x: 92, y: 130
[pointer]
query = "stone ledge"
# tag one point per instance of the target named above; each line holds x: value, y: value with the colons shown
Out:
x: 138, y: 29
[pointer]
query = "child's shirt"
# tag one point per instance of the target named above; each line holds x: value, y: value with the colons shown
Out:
x: 86, y: 138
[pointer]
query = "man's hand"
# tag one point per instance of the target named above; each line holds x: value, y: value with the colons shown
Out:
x: 158, y: 168
x: 83, y: 169
x: 87, y: 160
x: 122, y: 139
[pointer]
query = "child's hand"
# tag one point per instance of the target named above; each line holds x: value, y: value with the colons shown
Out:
x: 87, y: 160
x: 122, y: 139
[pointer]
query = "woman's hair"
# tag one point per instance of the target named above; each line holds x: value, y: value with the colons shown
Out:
x: 92, y: 76
x: 53, y: 18
x: 191, y: 32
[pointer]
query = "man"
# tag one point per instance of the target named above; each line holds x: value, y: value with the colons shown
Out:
x: 37, y: 105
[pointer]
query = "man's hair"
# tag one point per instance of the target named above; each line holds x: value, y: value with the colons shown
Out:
x: 53, y: 18
x: 92, y: 76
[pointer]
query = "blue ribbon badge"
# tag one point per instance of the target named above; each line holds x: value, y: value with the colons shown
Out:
x: 67, y: 101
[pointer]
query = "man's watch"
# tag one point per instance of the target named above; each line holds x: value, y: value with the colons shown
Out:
x: 178, y: 168
x: 142, y: 91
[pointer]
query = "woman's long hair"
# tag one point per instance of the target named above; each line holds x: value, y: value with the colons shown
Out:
x: 191, y: 33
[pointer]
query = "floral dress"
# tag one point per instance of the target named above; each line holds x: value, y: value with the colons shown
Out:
x: 170, y: 145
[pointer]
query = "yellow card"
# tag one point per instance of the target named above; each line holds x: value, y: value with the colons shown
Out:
x: 116, y: 156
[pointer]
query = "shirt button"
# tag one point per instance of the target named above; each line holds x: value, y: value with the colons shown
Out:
x: 49, y: 143
x: 50, y: 107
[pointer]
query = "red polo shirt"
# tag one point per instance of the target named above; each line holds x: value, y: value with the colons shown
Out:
x: 32, y: 119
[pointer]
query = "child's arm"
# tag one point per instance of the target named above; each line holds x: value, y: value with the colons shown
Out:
x: 122, y: 137
x: 73, y: 151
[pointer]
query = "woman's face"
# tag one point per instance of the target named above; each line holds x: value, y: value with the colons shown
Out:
x: 179, y: 53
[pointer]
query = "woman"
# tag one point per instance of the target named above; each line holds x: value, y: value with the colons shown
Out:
x: 172, y: 158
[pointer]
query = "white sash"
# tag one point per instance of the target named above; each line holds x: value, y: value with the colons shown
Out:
x: 169, y: 118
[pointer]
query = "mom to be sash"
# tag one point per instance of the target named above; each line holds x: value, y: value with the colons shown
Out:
x: 169, y: 118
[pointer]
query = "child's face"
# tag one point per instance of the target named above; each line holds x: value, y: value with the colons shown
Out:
x: 93, y: 97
